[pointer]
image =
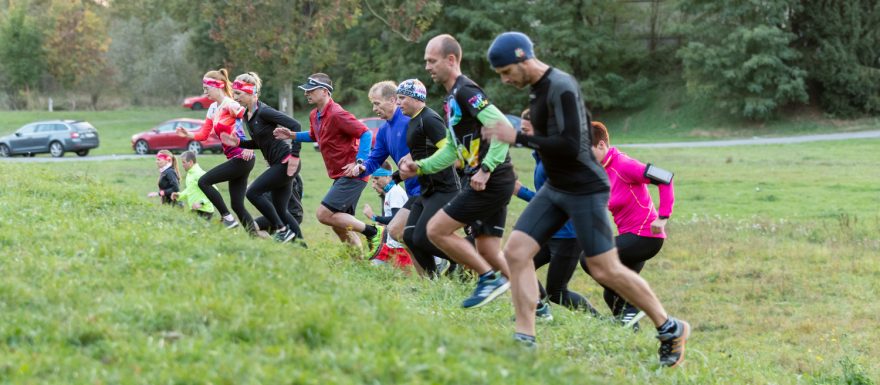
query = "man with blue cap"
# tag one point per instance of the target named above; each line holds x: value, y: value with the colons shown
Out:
x: 577, y: 188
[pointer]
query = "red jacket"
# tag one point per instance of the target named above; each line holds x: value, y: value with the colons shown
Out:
x: 338, y: 137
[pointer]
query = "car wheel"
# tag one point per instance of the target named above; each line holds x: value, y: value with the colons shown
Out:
x: 82, y: 152
x: 56, y: 149
x: 194, y: 146
x: 141, y: 147
x: 197, y: 106
x: 4, y: 151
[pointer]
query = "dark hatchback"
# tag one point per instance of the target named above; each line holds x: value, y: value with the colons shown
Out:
x: 52, y: 136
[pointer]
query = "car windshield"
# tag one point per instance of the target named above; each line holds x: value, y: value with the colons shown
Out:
x: 83, y: 126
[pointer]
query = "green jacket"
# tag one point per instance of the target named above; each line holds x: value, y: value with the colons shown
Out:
x: 192, y: 193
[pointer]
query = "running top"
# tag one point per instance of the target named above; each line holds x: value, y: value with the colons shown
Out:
x: 192, y: 194
x: 391, y: 141
x: 563, y: 134
x: 261, y: 126
x: 426, y: 134
x: 394, y: 200
x: 223, y: 118
x: 630, y: 203
x: 338, y: 134
x: 467, y: 111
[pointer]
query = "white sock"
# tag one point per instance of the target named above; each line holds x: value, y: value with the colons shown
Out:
x: 227, y: 217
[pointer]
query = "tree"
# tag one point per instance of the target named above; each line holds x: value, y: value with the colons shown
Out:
x: 841, y: 45
x: 78, y: 42
x: 740, y: 55
x: 22, y: 59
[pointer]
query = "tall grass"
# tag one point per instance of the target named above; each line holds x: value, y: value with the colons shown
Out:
x: 102, y: 285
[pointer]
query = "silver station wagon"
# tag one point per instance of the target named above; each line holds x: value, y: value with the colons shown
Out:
x: 52, y: 136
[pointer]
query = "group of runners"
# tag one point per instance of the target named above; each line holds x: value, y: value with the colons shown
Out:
x: 457, y: 174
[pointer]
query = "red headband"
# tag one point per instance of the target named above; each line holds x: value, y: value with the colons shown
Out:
x: 163, y: 156
x: 243, y: 87
x: 214, y: 83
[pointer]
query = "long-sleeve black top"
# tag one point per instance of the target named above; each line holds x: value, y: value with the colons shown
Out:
x: 169, y: 183
x: 261, y: 125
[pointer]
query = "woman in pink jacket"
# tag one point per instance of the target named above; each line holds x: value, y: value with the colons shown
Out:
x: 640, y: 226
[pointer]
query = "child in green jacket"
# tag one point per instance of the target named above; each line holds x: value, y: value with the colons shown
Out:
x: 192, y: 196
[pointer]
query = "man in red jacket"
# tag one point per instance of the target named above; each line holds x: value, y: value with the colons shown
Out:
x: 342, y: 140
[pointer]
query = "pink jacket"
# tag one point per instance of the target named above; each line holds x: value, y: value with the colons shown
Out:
x: 629, y: 202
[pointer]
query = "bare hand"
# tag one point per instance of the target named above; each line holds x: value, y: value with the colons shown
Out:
x: 408, y: 168
x: 229, y: 140
x: 152, y: 194
x: 479, y: 180
x: 368, y: 211
x: 197, y: 205
x: 182, y: 132
x: 658, y: 225
x: 282, y: 133
x: 292, y: 165
x: 501, y: 131
x: 353, y: 170
x: 174, y: 196
x: 516, y: 187
x: 247, y: 154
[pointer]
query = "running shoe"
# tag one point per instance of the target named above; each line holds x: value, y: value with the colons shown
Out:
x: 375, y: 242
x: 284, y: 236
x: 442, y: 266
x: 631, y: 317
x: 672, y: 344
x: 229, y: 223
x: 542, y: 313
x: 487, y: 290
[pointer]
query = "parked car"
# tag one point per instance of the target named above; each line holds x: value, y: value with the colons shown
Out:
x: 196, y: 103
x: 372, y: 124
x: 53, y: 136
x: 164, y: 137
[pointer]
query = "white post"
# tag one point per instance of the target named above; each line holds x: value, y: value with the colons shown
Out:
x: 50, y: 104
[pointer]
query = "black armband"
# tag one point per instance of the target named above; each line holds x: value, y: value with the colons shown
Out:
x: 658, y: 175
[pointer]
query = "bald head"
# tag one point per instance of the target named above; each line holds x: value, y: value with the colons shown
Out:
x: 446, y: 45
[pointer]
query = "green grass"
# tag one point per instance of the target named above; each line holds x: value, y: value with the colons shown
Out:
x: 102, y: 285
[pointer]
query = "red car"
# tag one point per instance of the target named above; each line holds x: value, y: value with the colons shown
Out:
x: 196, y: 103
x: 164, y: 137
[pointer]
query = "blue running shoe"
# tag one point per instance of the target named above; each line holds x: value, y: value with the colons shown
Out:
x: 486, y: 291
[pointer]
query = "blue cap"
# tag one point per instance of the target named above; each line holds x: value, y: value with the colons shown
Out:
x: 382, y: 172
x: 509, y: 48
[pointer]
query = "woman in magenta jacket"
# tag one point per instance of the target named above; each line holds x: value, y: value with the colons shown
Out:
x: 640, y: 226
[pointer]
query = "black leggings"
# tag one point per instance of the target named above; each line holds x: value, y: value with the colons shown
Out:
x: 276, y: 181
x: 634, y: 251
x: 562, y: 254
x: 235, y: 171
x: 294, y: 205
x: 415, y: 234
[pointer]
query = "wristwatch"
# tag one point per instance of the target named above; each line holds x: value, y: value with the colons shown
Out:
x: 359, y: 162
x: 485, y: 168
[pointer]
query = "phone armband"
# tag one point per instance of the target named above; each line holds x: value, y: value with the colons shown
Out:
x: 658, y: 175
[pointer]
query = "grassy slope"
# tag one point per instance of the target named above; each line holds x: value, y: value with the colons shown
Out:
x: 100, y: 285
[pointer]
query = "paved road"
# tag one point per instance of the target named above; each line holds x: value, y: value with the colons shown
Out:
x: 759, y: 140
x: 711, y: 143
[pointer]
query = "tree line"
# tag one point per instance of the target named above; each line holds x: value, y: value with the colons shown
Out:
x: 751, y: 58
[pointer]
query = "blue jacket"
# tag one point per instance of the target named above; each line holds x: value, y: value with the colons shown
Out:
x: 567, y: 231
x: 391, y: 141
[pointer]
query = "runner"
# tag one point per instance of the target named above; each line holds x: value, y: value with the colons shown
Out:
x: 282, y: 157
x: 640, y: 228
x: 426, y: 133
x: 390, y: 141
x: 577, y: 188
x: 192, y: 196
x: 562, y: 250
x: 224, y: 116
x: 482, y: 203
x: 342, y: 139
x: 169, y: 177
